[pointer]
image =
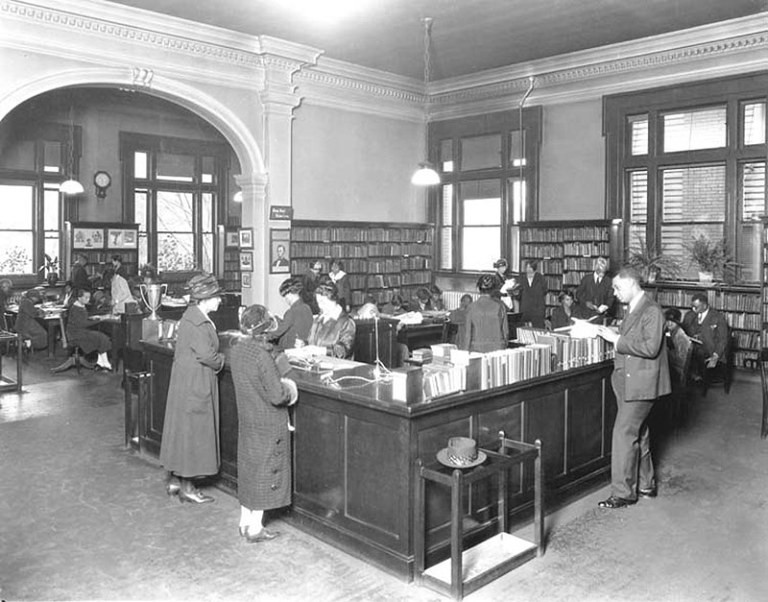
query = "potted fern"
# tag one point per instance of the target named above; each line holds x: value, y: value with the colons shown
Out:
x: 652, y: 263
x: 712, y: 259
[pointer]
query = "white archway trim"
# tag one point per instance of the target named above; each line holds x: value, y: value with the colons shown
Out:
x: 202, y: 104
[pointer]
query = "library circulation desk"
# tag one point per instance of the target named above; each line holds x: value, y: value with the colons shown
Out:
x: 356, y: 452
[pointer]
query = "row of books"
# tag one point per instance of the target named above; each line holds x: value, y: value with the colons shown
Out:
x: 586, y: 249
x: 360, y: 234
x: 569, y: 352
x: 575, y: 233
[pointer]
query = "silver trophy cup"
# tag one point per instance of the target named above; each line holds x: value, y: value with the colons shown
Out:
x: 152, y: 295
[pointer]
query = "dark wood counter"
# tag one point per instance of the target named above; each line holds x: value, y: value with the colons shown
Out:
x: 355, y: 451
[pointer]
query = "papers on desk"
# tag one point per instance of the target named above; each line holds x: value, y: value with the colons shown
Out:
x: 306, y: 352
x: 583, y: 329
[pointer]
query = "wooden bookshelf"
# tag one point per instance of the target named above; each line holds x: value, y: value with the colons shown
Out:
x: 566, y: 251
x: 744, y: 307
x: 381, y: 259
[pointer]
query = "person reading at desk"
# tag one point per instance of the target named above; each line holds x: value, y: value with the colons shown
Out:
x: 81, y: 335
x: 27, y: 326
x: 333, y: 328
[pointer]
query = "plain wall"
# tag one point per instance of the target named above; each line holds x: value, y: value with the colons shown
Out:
x: 572, y: 162
x: 355, y: 167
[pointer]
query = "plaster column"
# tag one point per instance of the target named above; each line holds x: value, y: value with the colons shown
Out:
x: 254, y: 188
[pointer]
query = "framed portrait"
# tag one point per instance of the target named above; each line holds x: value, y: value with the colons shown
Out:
x: 246, y: 238
x: 232, y: 238
x: 88, y: 238
x: 279, y: 251
x: 121, y: 239
x: 246, y: 261
x: 245, y: 280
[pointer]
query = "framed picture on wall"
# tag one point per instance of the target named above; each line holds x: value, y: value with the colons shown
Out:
x: 232, y: 239
x: 121, y: 239
x: 246, y: 261
x: 279, y: 248
x: 245, y: 280
x: 246, y: 238
x: 88, y: 238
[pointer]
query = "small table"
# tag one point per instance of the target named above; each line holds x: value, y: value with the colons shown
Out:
x: 468, y: 570
x: 7, y: 383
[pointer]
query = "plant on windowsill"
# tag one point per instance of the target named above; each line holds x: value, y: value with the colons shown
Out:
x: 713, y: 259
x: 51, y: 267
x: 652, y: 263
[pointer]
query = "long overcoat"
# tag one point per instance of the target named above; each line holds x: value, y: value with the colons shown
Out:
x: 263, y: 440
x: 190, y: 445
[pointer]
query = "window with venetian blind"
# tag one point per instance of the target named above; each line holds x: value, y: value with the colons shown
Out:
x: 690, y: 161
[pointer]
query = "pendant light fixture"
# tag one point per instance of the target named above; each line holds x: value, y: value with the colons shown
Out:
x: 71, y: 186
x: 426, y: 175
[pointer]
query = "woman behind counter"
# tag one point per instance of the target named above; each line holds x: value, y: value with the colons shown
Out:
x: 264, y: 442
x: 333, y: 328
x: 190, y: 444
x: 297, y: 320
x: 533, y: 292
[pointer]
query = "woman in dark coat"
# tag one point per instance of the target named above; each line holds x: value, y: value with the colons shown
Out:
x: 533, y: 292
x: 333, y: 328
x: 190, y: 445
x: 26, y: 322
x: 485, y: 327
x: 297, y: 319
x: 341, y: 280
x: 79, y: 330
x: 264, y: 442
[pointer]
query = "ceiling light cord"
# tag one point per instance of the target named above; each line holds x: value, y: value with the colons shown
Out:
x: 426, y: 175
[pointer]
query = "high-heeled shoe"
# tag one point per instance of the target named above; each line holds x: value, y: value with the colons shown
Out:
x: 172, y: 489
x: 195, y: 497
x: 264, y: 534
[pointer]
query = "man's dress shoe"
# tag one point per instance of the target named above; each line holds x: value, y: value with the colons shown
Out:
x: 614, y: 502
x: 650, y: 492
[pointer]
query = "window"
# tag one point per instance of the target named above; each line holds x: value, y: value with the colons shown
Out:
x: 176, y: 187
x: 33, y: 210
x: 488, y: 184
x: 690, y: 161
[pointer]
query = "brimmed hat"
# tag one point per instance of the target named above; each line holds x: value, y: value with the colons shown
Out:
x: 203, y: 286
x: 461, y: 452
x: 256, y: 319
x: 500, y: 262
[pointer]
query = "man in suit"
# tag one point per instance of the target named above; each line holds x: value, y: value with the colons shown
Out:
x: 707, y: 326
x: 595, y: 293
x: 640, y: 376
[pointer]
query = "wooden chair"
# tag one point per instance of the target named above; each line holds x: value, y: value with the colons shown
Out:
x: 76, y: 357
x: 722, y: 374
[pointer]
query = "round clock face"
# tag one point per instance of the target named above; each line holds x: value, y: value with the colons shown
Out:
x: 102, y: 179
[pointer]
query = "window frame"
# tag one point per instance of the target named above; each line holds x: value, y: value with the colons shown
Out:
x: 734, y: 93
x: 39, y: 179
x: 502, y: 123
x: 130, y: 143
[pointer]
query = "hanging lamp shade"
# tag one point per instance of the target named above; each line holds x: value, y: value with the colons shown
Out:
x: 71, y: 187
x: 238, y: 197
x: 426, y: 175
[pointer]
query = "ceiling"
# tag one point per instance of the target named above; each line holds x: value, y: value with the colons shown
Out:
x: 467, y: 35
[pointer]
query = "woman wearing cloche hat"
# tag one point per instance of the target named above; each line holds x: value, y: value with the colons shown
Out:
x: 190, y: 445
x: 264, y: 442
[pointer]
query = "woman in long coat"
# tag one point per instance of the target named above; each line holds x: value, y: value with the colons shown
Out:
x: 190, y: 445
x: 533, y: 292
x: 485, y: 327
x: 264, y: 442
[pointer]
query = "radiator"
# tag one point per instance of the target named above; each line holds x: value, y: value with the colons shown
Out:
x: 451, y: 298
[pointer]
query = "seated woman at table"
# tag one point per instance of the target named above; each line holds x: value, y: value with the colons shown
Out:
x: 6, y: 289
x: 333, y: 328
x: 26, y: 323
x: 486, y: 327
x: 394, y: 307
x: 368, y: 310
x: 562, y: 315
x: 79, y: 330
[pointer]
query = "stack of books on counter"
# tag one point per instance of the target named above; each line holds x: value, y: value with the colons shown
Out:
x: 442, y: 379
x: 421, y: 355
x: 508, y: 366
x: 570, y: 352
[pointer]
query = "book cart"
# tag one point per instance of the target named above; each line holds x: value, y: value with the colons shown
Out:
x: 468, y: 570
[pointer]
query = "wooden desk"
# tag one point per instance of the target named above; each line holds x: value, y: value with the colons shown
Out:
x: 355, y: 452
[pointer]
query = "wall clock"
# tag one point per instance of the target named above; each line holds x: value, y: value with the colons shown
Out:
x: 102, y: 180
